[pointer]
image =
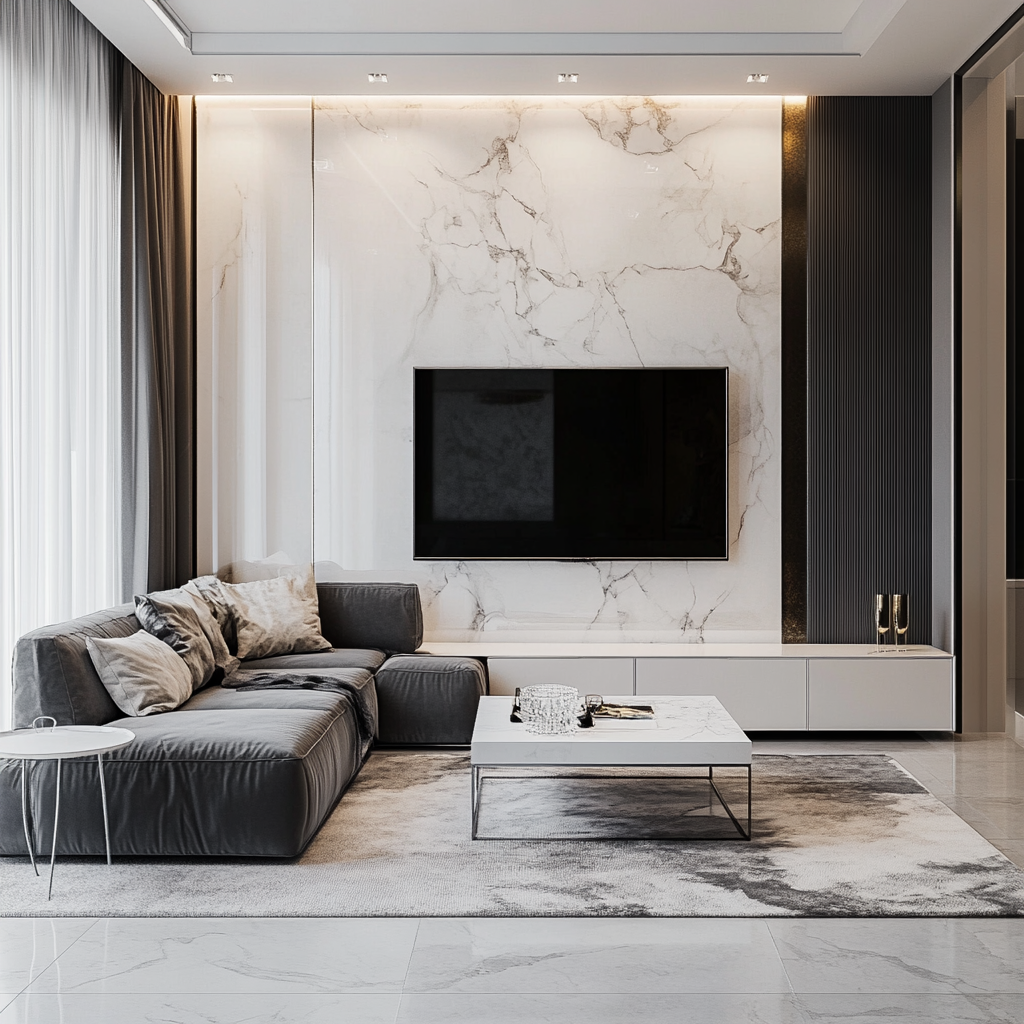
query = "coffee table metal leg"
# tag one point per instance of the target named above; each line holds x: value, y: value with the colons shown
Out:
x: 103, y: 798
x: 475, y: 798
x: 56, y: 817
x: 24, y: 815
x: 749, y: 786
x: 728, y: 809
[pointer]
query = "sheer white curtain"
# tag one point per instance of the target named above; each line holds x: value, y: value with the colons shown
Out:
x: 59, y: 321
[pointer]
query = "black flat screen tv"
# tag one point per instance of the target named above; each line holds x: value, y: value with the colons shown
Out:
x: 572, y: 464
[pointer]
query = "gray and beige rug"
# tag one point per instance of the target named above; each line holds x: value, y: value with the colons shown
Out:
x: 833, y: 836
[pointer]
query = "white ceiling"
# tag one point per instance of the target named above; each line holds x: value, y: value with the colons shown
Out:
x: 487, y: 47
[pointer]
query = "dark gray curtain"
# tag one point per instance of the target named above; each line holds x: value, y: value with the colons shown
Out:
x: 157, y: 351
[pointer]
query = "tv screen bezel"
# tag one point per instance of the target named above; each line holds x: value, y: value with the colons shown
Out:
x: 422, y: 488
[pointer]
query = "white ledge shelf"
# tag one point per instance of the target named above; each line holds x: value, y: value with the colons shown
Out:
x: 483, y: 649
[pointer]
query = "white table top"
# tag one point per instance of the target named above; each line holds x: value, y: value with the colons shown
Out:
x: 48, y: 744
x: 690, y: 731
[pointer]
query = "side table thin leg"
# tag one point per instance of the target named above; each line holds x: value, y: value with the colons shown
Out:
x: 103, y: 797
x: 24, y: 815
x: 56, y: 816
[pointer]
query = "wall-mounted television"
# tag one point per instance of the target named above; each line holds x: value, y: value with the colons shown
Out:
x: 572, y: 464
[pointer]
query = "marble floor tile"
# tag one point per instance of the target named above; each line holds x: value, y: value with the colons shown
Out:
x: 906, y: 955
x: 236, y: 955
x: 204, y: 1008
x: 593, y: 1008
x: 873, y: 1008
x: 1006, y: 812
x: 29, y: 945
x: 979, y: 821
x: 1012, y: 849
x: 595, y: 955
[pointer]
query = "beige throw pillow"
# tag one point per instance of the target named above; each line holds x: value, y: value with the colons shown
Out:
x: 279, y: 616
x: 141, y: 673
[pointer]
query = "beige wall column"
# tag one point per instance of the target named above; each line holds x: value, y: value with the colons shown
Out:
x: 983, y: 656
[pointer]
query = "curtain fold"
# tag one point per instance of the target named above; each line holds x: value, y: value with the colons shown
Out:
x: 59, y: 320
x: 95, y: 328
x: 157, y: 352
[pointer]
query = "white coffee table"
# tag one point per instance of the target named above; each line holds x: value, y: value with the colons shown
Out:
x: 54, y: 743
x: 691, y: 732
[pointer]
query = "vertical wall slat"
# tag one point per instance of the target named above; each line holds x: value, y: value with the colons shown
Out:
x: 868, y: 362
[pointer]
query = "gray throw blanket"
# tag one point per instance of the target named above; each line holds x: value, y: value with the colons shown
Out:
x: 356, y: 683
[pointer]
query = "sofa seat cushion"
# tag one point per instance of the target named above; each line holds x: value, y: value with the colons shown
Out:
x: 215, y: 698
x: 244, y: 735
x: 252, y: 782
x: 425, y: 700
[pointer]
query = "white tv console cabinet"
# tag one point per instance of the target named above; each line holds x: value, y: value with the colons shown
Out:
x: 763, y: 686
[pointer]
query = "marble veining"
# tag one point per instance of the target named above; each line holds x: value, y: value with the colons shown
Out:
x: 545, y: 233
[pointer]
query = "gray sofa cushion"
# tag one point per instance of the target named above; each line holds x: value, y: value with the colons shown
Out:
x: 249, y: 783
x: 317, y: 660
x: 423, y: 700
x: 54, y: 675
x: 216, y: 698
x: 385, y: 616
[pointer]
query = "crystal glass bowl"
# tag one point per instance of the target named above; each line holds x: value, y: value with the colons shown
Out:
x: 549, y: 710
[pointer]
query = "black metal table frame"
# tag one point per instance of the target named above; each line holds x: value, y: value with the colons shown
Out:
x: 600, y: 773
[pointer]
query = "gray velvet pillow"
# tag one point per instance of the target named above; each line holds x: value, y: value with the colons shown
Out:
x: 142, y: 674
x: 278, y: 616
x: 184, y: 622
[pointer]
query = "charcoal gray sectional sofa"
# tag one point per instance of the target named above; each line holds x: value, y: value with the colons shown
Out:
x: 242, y: 773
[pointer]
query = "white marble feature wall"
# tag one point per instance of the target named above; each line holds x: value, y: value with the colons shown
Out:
x: 547, y: 233
x: 254, y: 238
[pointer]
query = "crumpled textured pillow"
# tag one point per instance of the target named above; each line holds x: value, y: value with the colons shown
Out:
x: 207, y: 589
x: 142, y: 674
x: 184, y: 622
x: 277, y: 616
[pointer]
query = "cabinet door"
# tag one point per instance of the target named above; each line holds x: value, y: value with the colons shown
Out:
x: 887, y: 691
x: 760, y: 693
x: 606, y: 676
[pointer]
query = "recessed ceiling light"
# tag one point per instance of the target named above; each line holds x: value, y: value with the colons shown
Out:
x: 568, y: 76
x: 171, y: 22
x: 378, y: 77
x: 759, y: 79
x: 221, y: 77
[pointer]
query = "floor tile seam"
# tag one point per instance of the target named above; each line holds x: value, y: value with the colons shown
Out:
x: 412, y: 952
x: 327, y: 993
x: 392, y: 993
x: 37, y: 974
x: 778, y: 952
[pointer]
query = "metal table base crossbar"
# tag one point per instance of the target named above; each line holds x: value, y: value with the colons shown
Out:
x: 477, y: 785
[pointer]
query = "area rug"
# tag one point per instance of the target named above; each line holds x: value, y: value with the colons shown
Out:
x: 846, y: 836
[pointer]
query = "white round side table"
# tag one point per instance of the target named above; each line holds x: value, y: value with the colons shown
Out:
x: 54, y: 743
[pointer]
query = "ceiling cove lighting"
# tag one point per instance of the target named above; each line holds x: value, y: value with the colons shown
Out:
x: 171, y: 22
x: 757, y: 79
x: 379, y: 77
x: 568, y: 76
x: 221, y: 77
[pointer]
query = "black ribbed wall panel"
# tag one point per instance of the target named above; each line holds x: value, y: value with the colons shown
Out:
x: 868, y: 362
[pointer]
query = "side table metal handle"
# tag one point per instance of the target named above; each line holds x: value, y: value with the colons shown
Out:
x: 44, y: 718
